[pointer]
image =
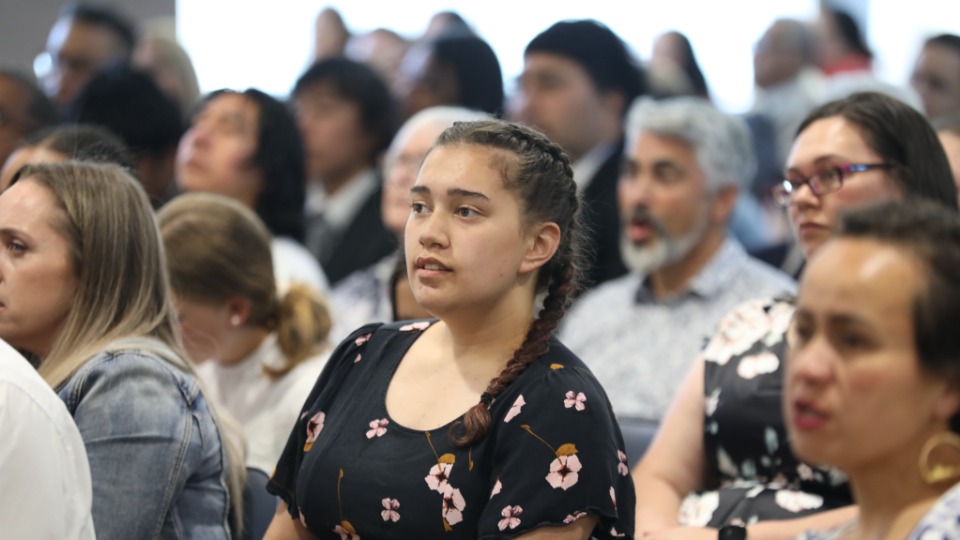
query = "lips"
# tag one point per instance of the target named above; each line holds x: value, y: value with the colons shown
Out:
x: 807, y: 417
x: 641, y: 226
x: 430, y: 266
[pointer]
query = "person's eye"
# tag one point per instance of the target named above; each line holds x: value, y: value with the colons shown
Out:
x: 466, y: 212
x: 16, y: 247
x: 418, y: 207
x: 853, y: 341
x: 799, y: 334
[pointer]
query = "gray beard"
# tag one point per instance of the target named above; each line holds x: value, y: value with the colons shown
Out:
x: 644, y: 259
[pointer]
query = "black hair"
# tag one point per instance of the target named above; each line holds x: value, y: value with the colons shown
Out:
x: 849, y: 31
x: 98, y: 15
x: 362, y: 85
x: 542, y: 179
x: 690, y: 66
x: 129, y: 103
x: 930, y: 234
x: 599, y: 51
x: 280, y: 159
x: 902, y: 137
x: 477, y: 70
x: 41, y: 112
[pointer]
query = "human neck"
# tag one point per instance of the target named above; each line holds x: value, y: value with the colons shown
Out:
x: 494, y: 334
x: 675, y: 277
x: 245, y: 342
x: 891, y: 511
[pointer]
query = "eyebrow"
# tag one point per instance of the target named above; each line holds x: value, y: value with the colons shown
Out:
x: 821, y: 160
x: 452, y: 192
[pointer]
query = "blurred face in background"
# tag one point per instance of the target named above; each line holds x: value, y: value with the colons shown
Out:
x: 936, y: 77
x: 400, y: 173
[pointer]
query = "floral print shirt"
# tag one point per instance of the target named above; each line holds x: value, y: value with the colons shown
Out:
x: 554, y: 454
x: 752, y: 475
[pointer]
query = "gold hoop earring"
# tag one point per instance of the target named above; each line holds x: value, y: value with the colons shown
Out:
x: 934, y: 474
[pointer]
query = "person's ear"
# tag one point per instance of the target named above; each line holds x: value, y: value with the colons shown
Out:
x: 542, y: 243
x: 948, y: 403
x: 238, y: 311
x: 724, y: 201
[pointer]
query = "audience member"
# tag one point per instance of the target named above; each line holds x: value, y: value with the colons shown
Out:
x: 684, y: 164
x: 85, y: 39
x: 936, y: 76
x: 381, y: 292
x: 68, y: 143
x: 445, y: 22
x: 674, y: 48
x: 785, y: 88
x: 24, y: 110
x: 721, y: 456
x: 578, y: 81
x: 246, y: 145
x: 42, y: 459
x: 88, y: 297
x: 382, y: 49
x: 873, y: 368
x: 330, y: 35
x: 494, y: 222
x: 129, y: 104
x: 948, y: 131
x: 457, y: 69
x: 159, y: 54
x: 347, y: 118
x: 258, y: 352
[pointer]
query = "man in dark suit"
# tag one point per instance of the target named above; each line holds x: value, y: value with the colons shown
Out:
x: 578, y: 81
x: 347, y: 118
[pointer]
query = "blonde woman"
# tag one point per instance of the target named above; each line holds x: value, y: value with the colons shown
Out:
x: 260, y: 352
x: 83, y: 289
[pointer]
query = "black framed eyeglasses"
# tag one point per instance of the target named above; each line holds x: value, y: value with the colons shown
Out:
x: 821, y: 183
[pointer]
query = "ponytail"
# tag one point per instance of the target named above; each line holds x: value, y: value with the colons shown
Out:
x: 302, y: 326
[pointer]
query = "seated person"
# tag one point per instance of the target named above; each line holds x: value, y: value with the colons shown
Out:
x: 258, y: 351
x: 721, y: 456
x: 477, y: 423
x: 873, y: 371
x: 684, y: 164
x: 86, y: 294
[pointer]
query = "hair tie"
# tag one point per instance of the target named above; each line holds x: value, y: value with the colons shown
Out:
x: 486, y: 399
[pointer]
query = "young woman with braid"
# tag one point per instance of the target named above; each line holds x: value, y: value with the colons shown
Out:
x: 476, y: 424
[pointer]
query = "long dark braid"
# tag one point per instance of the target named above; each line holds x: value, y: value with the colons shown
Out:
x: 543, y: 181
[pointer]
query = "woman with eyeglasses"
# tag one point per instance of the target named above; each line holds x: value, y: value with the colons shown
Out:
x: 721, y: 462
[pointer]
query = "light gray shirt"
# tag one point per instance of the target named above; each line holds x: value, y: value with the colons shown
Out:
x: 640, y: 347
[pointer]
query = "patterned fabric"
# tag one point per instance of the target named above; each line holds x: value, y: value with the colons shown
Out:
x: 362, y: 298
x: 553, y: 455
x: 753, y: 475
x: 942, y: 522
x: 640, y: 348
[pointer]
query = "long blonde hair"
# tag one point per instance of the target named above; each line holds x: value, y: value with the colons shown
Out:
x: 123, y: 291
x: 217, y: 249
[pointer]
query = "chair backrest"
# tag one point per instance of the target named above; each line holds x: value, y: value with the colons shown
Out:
x: 637, y: 435
x: 259, y: 506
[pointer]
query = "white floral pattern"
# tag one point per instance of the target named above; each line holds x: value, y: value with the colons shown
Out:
x: 575, y: 400
x: 511, y: 517
x: 377, y: 428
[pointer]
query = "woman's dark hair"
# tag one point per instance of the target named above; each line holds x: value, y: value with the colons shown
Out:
x: 476, y: 68
x: 930, y: 234
x: 541, y: 178
x: 362, y: 85
x: 280, y: 158
x: 690, y: 66
x: 902, y: 137
x: 849, y: 31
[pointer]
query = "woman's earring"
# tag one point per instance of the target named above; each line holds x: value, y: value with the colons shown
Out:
x: 235, y: 320
x: 934, y: 474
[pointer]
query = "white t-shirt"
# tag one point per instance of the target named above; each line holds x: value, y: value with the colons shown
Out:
x: 265, y: 408
x: 293, y: 263
x: 44, y: 473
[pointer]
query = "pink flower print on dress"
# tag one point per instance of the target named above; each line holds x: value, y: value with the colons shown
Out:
x: 622, y: 467
x: 439, y: 475
x: 511, y: 517
x: 575, y: 400
x: 362, y: 339
x: 346, y: 532
x: 615, y: 534
x: 377, y: 428
x: 419, y: 325
x: 496, y: 489
x: 564, y: 472
x: 453, y: 504
x: 357, y: 359
x: 314, y: 426
x: 515, y: 408
x: 573, y: 517
x: 390, y: 507
x: 613, y: 496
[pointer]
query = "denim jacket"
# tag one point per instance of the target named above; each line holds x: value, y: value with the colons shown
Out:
x: 156, y: 459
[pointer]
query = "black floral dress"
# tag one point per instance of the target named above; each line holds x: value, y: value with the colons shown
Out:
x: 752, y: 473
x: 554, y: 454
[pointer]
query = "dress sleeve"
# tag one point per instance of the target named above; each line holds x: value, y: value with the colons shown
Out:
x: 310, y: 421
x: 558, y: 457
